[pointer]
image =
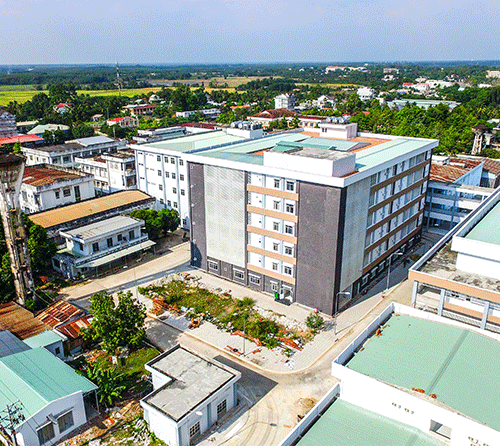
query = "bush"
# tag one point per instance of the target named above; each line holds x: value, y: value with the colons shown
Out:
x: 314, y: 321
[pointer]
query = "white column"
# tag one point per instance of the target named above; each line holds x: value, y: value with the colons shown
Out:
x: 441, y: 302
x: 414, y: 294
x: 485, y: 315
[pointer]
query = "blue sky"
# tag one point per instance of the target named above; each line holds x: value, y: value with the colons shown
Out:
x: 219, y: 31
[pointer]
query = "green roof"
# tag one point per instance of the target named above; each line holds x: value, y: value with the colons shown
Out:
x: 45, y: 338
x: 345, y: 424
x: 457, y: 365
x: 36, y: 377
x: 487, y: 230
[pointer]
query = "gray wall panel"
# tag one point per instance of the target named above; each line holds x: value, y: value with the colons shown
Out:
x: 317, y: 250
x: 225, y: 214
x: 198, y: 229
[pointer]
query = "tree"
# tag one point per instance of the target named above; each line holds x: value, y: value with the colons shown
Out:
x: 109, y: 383
x: 82, y: 131
x: 120, y: 325
x: 41, y: 247
x: 169, y: 220
x: 314, y: 321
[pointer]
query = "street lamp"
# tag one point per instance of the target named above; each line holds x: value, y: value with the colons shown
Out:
x: 389, y: 269
x: 341, y: 293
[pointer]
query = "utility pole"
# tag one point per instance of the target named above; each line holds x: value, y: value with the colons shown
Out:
x: 10, y: 417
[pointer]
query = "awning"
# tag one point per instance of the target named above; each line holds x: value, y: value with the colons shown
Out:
x: 117, y: 255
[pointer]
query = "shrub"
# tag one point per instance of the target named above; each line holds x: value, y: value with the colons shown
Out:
x: 314, y: 321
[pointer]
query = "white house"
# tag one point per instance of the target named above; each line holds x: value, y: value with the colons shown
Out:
x: 112, y: 171
x: 124, y: 122
x: 51, y: 340
x: 191, y: 393
x: 48, y: 397
x: 99, y: 244
x: 285, y: 100
x: 45, y: 187
x: 366, y: 94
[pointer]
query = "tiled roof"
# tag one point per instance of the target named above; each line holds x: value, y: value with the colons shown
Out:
x: 59, y: 313
x: 447, y: 173
x: 275, y: 113
x: 465, y: 162
x: 21, y: 139
x: 41, y: 176
x: 20, y: 321
x: 199, y: 125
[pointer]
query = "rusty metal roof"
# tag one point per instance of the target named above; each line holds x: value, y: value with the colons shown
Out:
x: 87, y: 208
x: 72, y: 329
x: 20, y: 321
x: 447, y: 173
x: 40, y: 176
x: 59, y: 313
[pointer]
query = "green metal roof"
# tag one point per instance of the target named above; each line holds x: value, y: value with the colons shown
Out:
x: 487, y: 229
x: 345, y: 424
x: 36, y: 377
x: 459, y: 366
x: 44, y: 339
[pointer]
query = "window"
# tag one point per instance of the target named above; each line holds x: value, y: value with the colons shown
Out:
x: 175, y: 204
x: 276, y: 246
x: 254, y: 279
x: 172, y: 160
x: 174, y: 190
x: 276, y: 226
x: 166, y: 159
x: 58, y: 350
x: 56, y: 192
x: 160, y: 186
x: 80, y: 246
x: 109, y: 241
x: 276, y: 183
x: 66, y: 192
x: 173, y: 176
x: 274, y: 287
x: 169, y: 203
x: 213, y: 265
x: 46, y: 433
x: 288, y: 250
x: 240, y: 275
x: 288, y: 229
x: 95, y: 247
x: 181, y: 162
x: 276, y: 205
x: 221, y: 408
x: 183, y: 192
x: 290, y: 186
x: 158, y: 158
x: 65, y: 421
x: 159, y: 173
x: 184, y: 222
x: 275, y: 266
x: 287, y: 270
x: 119, y: 237
x: 131, y: 235
x: 181, y: 177
x: 167, y: 175
x: 194, y: 430
x: 290, y: 208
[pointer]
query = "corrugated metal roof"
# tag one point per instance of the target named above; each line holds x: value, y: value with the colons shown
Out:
x: 91, y: 140
x: 104, y: 227
x: 59, y: 313
x: 41, y: 176
x: 36, y: 377
x: 87, y: 208
x: 72, y: 329
x: 20, y: 321
x: 44, y: 339
x: 10, y: 345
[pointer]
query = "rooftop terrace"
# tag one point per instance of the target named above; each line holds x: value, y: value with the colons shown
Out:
x: 459, y: 366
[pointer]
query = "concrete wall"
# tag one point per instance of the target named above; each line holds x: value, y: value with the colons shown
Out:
x: 320, y: 213
x: 225, y: 216
x: 27, y: 435
x: 198, y: 225
x: 356, y: 214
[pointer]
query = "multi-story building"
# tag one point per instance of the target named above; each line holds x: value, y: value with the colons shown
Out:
x: 100, y: 244
x: 366, y: 93
x: 45, y: 187
x: 112, y: 171
x: 124, y: 122
x: 285, y: 100
x: 454, y: 192
x: 64, y: 154
x: 8, y: 126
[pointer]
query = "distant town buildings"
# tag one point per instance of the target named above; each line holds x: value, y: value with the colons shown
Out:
x: 46, y: 186
x: 8, y: 126
x: 421, y: 103
x: 285, y: 100
x: 125, y: 122
x: 366, y: 93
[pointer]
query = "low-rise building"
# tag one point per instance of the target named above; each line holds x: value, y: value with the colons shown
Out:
x: 112, y: 171
x: 325, y: 101
x: 50, y: 398
x: 64, y: 154
x: 8, y: 126
x: 213, y: 113
x: 285, y: 100
x: 125, y: 122
x: 41, y: 128
x: 191, y: 393
x: 268, y: 116
x: 62, y: 107
x: 421, y: 103
x: 51, y: 340
x: 45, y: 187
x: 141, y: 109
x: 454, y: 192
x: 100, y: 244
x: 366, y: 93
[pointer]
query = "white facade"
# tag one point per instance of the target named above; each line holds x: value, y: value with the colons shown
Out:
x: 179, y: 417
x: 286, y: 100
x: 366, y: 94
x: 100, y: 243
x: 8, y: 126
x: 52, y: 191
